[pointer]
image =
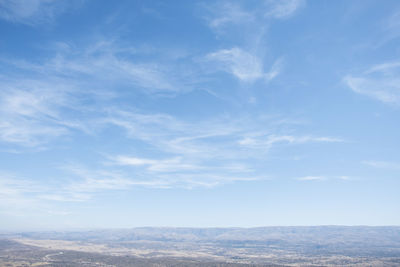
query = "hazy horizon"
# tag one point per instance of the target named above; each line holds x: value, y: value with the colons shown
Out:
x: 85, y: 229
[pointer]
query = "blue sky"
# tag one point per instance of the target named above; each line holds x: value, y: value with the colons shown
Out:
x: 199, y: 113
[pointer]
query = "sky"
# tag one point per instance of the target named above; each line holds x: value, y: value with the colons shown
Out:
x: 117, y: 114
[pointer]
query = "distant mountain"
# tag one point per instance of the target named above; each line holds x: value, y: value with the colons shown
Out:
x: 385, y: 234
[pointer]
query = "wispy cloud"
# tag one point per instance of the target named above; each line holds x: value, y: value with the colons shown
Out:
x: 111, y: 63
x: 82, y: 185
x: 40, y: 101
x: 225, y: 13
x: 19, y: 194
x: 88, y: 182
x: 186, y: 173
x: 269, y: 140
x: 216, y: 151
x: 25, y: 199
x: 383, y: 164
x: 246, y: 60
x: 380, y: 82
x: 220, y: 137
x: 389, y: 30
x: 53, y: 102
x: 30, y: 111
x: 85, y: 183
x: 243, y: 65
x: 281, y: 9
x: 11, y: 186
x: 189, y: 150
x: 324, y: 178
x: 33, y: 11
x: 155, y: 165
x: 312, y: 178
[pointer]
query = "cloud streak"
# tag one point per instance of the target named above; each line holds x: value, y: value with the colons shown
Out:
x: 31, y: 111
x: 224, y: 14
x: 243, y: 65
x: 312, y: 178
x: 323, y: 178
x: 32, y: 12
x: 269, y: 140
x: 383, y: 164
x: 246, y: 60
x: 40, y: 102
x: 281, y: 9
x: 227, y: 13
x: 380, y: 82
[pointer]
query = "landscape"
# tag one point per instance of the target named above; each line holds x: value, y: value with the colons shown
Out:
x: 261, y: 246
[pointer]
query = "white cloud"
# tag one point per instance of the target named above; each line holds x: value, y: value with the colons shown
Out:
x: 222, y: 137
x: 269, y: 140
x: 325, y: 178
x: 230, y: 17
x: 43, y: 101
x: 107, y: 62
x: 30, y: 195
x: 91, y: 182
x: 205, y: 139
x: 386, y: 91
x: 226, y: 13
x: 383, y: 164
x: 32, y: 11
x: 381, y: 82
x: 389, y: 29
x: 242, y: 64
x: 124, y: 160
x: 104, y: 64
x: 385, y: 68
x: 215, y: 152
x: 85, y: 184
x: 234, y: 13
x: 282, y: 8
x: 29, y: 111
x: 40, y: 101
x: 312, y: 178
x: 166, y: 165
x: 300, y: 139
x: 186, y: 155
x: 11, y: 186
x: 20, y: 194
x: 275, y: 69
